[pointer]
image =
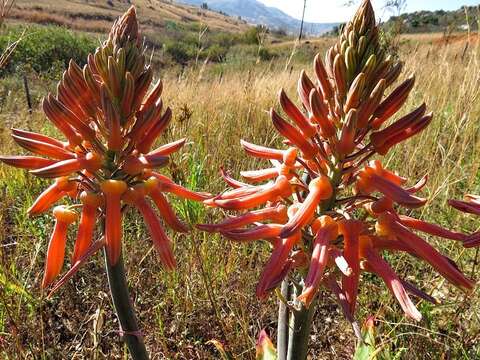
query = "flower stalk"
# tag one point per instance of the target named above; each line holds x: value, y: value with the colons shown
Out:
x: 122, y: 303
x: 300, y: 324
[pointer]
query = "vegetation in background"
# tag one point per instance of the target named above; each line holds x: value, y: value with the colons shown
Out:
x: 175, y: 321
x: 437, y: 21
x: 45, y: 47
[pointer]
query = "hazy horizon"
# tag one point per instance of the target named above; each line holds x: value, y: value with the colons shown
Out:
x: 335, y: 11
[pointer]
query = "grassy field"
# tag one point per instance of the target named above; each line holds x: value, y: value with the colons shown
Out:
x: 211, y: 295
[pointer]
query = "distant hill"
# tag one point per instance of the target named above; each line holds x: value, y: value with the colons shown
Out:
x: 255, y: 12
x: 98, y: 15
x: 436, y: 21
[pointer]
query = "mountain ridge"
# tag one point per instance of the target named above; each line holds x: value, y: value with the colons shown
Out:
x: 258, y: 13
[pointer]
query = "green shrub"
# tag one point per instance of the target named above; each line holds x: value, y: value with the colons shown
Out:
x: 253, y: 35
x: 217, y: 53
x: 264, y: 54
x: 43, y: 48
x: 180, y: 52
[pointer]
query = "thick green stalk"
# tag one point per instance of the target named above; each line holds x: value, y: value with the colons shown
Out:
x: 300, y: 326
x: 282, y: 327
x: 124, y: 309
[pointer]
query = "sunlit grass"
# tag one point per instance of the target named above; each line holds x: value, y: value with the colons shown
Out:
x: 211, y: 295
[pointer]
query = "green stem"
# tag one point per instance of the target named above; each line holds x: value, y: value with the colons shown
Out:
x: 282, y: 327
x: 124, y: 309
x: 300, y: 325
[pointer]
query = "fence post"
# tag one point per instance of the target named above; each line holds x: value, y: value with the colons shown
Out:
x: 27, y: 94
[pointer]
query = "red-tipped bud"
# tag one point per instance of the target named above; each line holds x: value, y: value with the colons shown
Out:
x: 296, y: 115
x: 261, y: 151
x: 294, y: 135
x: 26, y: 162
x: 346, y: 144
x: 392, y: 103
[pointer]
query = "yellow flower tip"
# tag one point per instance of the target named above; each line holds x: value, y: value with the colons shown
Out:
x: 150, y: 184
x: 290, y: 156
x: 381, y: 226
x: 113, y: 187
x: 281, y: 215
x: 64, y: 215
x: 64, y: 184
x: 133, y: 165
x: 283, y: 186
x: 322, y: 185
x: 365, y: 242
x: 307, y: 296
x: 93, y: 162
x: 92, y: 199
x: 293, y: 209
x: 326, y: 222
x: 134, y: 194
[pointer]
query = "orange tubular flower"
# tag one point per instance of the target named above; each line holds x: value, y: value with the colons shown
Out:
x: 351, y: 229
x: 136, y: 197
x: 328, y: 232
x: 319, y: 189
x: 91, y: 202
x: 113, y: 191
x: 376, y: 264
x: 56, y: 246
x: 50, y: 196
x: 335, y: 134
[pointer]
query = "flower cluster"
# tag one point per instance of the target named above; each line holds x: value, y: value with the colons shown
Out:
x: 471, y: 205
x: 111, y: 117
x: 327, y: 209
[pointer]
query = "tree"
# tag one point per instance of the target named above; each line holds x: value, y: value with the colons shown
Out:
x: 395, y: 6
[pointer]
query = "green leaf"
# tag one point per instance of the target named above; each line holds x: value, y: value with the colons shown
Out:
x: 265, y: 348
x: 366, y: 349
x: 10, y: 286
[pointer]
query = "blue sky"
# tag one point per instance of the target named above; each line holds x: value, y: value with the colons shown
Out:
x: 335, y: 11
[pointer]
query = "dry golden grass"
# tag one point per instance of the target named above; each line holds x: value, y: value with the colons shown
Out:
x: 211, y: 295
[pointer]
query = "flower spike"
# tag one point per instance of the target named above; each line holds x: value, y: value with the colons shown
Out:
x: 324, y: 171
x: 110, y: 114
x: 110, y: 117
